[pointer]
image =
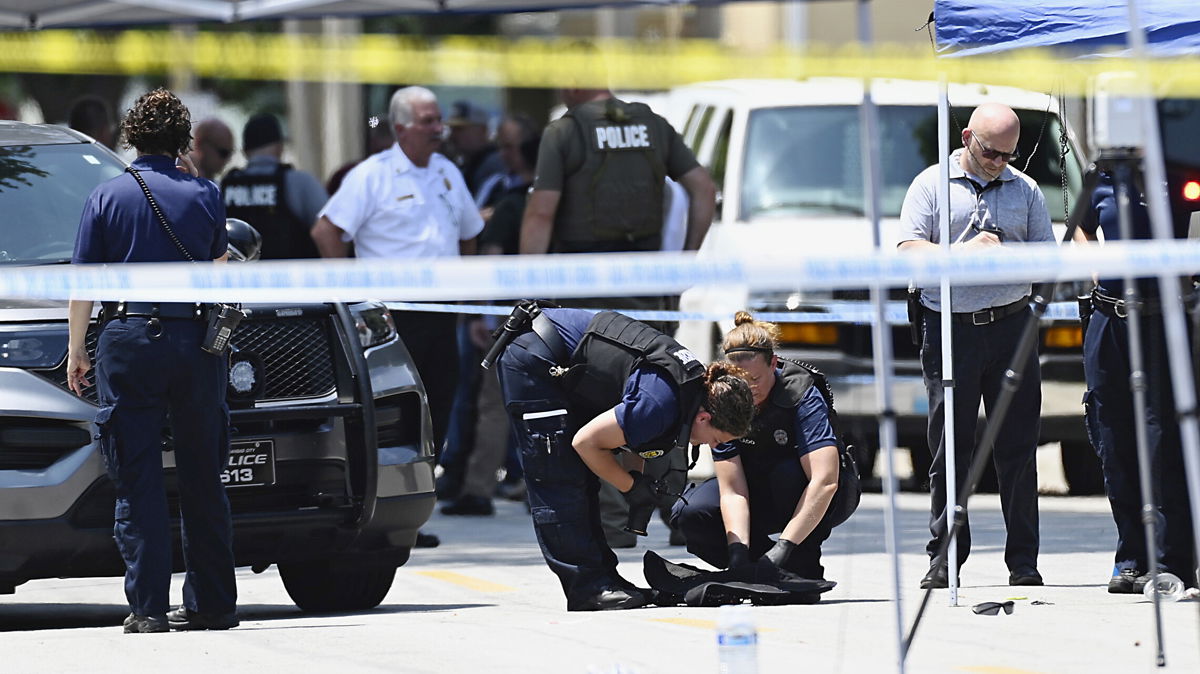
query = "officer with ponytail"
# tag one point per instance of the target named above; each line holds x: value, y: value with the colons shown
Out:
x: 790, y: 475
x: 580, y: 386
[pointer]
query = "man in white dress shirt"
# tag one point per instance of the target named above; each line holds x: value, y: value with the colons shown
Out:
x: 409, y: 202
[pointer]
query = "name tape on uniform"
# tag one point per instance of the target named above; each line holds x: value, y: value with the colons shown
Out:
x: 587, y: 275
x: 548, y: 63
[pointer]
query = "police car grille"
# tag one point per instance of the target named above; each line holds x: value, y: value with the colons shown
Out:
x: 296, y: 354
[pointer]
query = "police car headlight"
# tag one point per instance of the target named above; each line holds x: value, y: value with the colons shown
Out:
x: 374, y: 325
x: 32, y: 346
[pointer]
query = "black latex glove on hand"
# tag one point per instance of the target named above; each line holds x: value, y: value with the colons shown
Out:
x: 739, y: 555
x: 781, y: 553
x: 647, y: 491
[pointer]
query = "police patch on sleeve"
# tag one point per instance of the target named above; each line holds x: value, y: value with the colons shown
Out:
x: 684, y: 356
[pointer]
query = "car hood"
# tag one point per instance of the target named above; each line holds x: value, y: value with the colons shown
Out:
x: 12, y: 310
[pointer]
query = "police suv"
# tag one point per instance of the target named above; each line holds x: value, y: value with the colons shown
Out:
x: 331, y: 467
x: 786, y: 158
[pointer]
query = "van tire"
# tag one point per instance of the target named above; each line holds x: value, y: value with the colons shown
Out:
x: 325, y: 585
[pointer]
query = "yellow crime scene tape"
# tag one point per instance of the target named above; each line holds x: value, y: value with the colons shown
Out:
x: 543, y: 63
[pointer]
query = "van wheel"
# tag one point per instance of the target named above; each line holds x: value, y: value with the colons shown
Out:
x: 324, y: 585
x: 1081, y: 467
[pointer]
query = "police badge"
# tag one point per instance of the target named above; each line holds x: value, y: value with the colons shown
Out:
x: 781, y: 436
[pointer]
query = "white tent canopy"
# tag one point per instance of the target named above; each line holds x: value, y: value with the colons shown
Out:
x: 32, y: 14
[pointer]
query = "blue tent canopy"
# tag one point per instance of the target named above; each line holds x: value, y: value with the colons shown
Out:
x: 967, y: 27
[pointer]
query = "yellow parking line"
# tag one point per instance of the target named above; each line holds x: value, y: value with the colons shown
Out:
x: 988, y: 669
x: 466, y: 581
x: 701, y: 624
x: 688, y: 622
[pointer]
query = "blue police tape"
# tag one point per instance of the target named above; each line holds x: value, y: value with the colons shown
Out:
x: 592, y: 275
x: 822, y: 312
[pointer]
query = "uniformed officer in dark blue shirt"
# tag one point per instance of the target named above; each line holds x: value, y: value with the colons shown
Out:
x: 580, y: 386
x: 1108, y: 407
x: 782, y: 477
x: 148, y: 363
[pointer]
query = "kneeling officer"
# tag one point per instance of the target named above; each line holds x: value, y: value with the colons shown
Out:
x: 579, y: 386
x: 149, y: 361
x: 790, y: 475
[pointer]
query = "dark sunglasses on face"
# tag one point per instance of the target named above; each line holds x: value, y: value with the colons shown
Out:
x: 989, y: 153
x: 993, y: 608
x: 222, y: 152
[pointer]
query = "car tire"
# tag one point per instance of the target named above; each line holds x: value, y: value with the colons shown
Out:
x: 1081, y: 468
x: 323, y: 586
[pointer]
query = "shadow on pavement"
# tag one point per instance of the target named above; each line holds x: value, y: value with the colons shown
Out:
x: 29, y: 617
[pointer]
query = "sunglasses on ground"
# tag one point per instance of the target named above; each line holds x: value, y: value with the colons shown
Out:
x: 993, y: 608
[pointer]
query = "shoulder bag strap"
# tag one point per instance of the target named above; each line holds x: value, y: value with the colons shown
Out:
x: 162, y: 219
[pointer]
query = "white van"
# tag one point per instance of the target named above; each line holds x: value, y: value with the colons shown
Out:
x: 786, y: 158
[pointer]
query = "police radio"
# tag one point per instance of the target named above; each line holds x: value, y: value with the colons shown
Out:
x: 222, y: 320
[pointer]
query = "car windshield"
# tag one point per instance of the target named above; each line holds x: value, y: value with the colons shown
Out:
x: 42, y: 191
x: 806, y: 159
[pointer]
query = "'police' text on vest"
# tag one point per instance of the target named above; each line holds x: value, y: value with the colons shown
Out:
x: 630, y: 136
x: 250, y: 195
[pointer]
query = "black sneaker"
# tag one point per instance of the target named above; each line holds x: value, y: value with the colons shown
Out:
x: 1025, y: 577
x: 469, y: 505
x: 1126, y: 582
x: 425, y: 540
x: 145, y: 624
x: 184, y: 619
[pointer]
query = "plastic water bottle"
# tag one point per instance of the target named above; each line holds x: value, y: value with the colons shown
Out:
x: 737, y: 640
x: 1168, y: 586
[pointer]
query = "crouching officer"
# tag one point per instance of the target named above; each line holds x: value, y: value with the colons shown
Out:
x: 149, y: 362
x: 580, y: 385
x: 790, y: 475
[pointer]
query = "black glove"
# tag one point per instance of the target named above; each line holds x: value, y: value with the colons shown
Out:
x: 643, y: 497
x: 781, y: 553
x: 642, y: 493
x: 739, y: 555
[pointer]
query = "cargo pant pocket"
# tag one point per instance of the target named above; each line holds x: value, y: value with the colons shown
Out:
x: 106, y: 441
x: 546, y: 451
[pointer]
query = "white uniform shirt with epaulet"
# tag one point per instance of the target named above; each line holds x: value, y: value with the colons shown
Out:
x: 389, y: 207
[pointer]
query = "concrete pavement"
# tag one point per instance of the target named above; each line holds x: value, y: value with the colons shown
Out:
x: 485, y: 602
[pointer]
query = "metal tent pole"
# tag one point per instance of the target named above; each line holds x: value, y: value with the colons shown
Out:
x: 949, y: 459
x: 881, y: 335
x: 1137, y: 382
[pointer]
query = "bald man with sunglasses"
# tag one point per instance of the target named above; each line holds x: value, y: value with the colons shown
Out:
x: 991, y: 204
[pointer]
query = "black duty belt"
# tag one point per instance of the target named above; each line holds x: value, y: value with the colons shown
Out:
x: 991, y: 314
x: 1111, y: 306
x: 188, y: 310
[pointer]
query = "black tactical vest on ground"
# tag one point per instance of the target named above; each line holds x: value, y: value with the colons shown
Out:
x: 261, y: 200
x: 609, y: 351
x: 614, y: 202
